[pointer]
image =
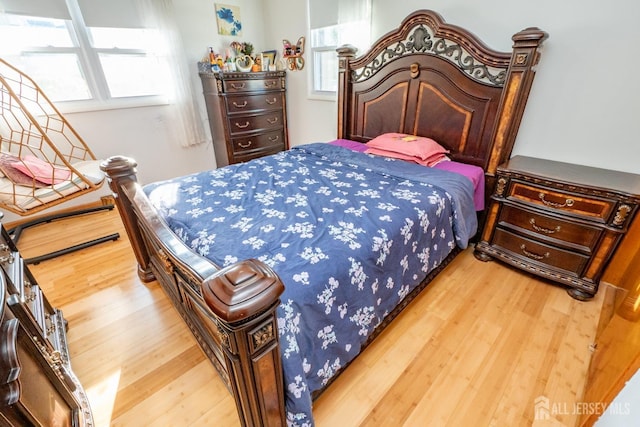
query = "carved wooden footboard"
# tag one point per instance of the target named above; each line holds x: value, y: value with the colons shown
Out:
x: 427, y: 78
x: 230, y: 311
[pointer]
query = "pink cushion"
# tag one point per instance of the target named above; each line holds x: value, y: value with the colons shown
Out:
x: 409, y: 145
x: 14, y: 175
x: 41, y: 171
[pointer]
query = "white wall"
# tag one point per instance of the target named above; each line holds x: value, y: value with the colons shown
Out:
x: 624, y: 411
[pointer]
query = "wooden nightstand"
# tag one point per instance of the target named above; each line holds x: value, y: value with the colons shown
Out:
x: 558, y: 220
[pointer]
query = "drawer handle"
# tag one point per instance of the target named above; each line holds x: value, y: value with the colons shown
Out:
x: 273, y: 120
x: 270, y: 83
x: 539, y: 229
x: 247, y: 145
x: 567, y: 202
x: 532, y: 255
x: 244, y: 104
x: 246, y: 124
x: 238, y: 86
x: 271, y: 101
x: 274, y: 138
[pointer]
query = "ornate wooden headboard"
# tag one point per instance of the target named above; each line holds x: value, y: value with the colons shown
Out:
x: 437, y: 80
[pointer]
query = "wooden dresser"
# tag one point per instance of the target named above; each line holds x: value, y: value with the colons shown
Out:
x: 37, y: 385
x: 560, y: 221
x: 247, y: 114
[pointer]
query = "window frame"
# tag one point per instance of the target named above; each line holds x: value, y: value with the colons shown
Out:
x: 339, y: 31
x: 90, y: 66
x: 315, y: 68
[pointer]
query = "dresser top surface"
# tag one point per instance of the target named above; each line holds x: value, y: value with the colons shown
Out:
x: 587, y: 176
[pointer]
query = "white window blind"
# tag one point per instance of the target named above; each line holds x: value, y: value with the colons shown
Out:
x: 55, y: 9
x: 110, y: 13
x: 323, y: 13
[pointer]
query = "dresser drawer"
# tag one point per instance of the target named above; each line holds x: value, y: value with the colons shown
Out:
x: 263, y: 122
x: 555, y: 200
x: 244, y: 145
x: 535, y: 252
x: 252, y: 103
x: 578, y: 236
x: 249, y: 85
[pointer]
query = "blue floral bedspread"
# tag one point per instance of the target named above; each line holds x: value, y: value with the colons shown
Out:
x: 349, y: 234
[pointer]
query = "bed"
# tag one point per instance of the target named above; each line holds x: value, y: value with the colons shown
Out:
x: 287, y: 266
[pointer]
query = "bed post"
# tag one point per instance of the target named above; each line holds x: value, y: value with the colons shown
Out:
x: 518, y: 83
x: 245, y: 296
x: 345, y: 54
x: 121, y: 175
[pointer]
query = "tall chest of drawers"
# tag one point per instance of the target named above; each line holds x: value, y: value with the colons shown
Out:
x: 247, y: 114
x: 558, y: 220
x: 37, y: 385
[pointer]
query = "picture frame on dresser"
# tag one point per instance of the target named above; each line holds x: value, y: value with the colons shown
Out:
x: 560, y: 221
x: 268, y: 58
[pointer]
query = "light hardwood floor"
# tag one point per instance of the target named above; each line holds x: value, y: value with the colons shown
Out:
x: 476, y: 349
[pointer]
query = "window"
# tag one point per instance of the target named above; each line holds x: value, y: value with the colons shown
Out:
x: 333, y: 23
x: 83, y: 50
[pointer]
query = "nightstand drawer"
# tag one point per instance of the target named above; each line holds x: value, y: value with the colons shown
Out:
x: 536, y: 252
x: 554, y: 230
x: 251, y: 103
x: 588, y: 207
x: 271, y: 139
x: 234, y: 86
x: 244, y: 124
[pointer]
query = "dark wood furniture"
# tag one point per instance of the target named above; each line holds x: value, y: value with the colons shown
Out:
x: 427, y: 78
x: 37, y: 385
x: 557, y: 220
x: 247, y: 114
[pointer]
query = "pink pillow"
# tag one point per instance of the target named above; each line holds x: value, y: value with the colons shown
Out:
x: 14, y: 175
x: 41, y: 171
x: 410, y: 145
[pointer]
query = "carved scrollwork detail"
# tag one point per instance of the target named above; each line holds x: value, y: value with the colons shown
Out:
x: 167, y: 265
x: 223, y: 336
x: 263, y: 335
x: 6, y: 257
x: 500, y: 186
x: 520, y: 59
x: 422, y: 40
x: 621, y: 215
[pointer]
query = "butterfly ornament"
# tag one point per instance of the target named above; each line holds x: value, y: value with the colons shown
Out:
x: 293, y: 54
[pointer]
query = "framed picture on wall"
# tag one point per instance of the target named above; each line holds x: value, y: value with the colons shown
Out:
x: 228, y: 19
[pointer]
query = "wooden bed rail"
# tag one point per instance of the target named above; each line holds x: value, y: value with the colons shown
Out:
x: 233, y: 309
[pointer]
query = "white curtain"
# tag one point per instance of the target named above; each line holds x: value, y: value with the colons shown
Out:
x: 186, y: 122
